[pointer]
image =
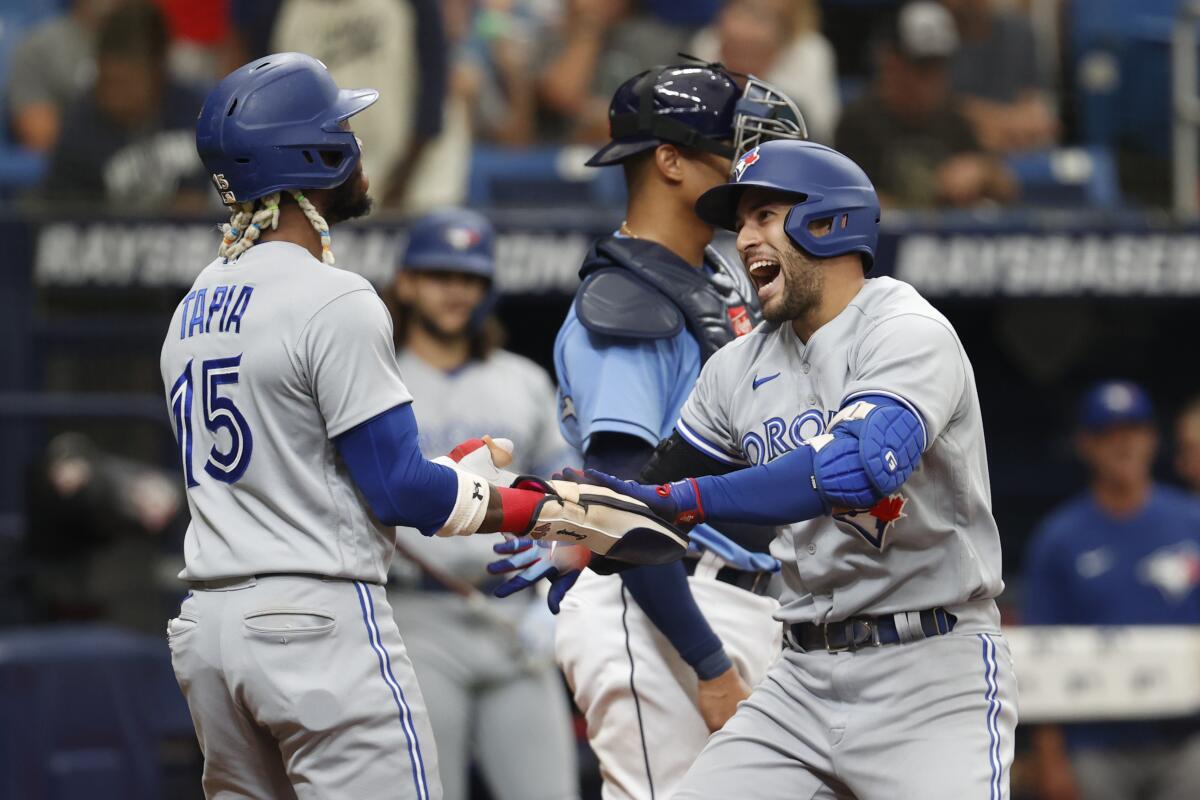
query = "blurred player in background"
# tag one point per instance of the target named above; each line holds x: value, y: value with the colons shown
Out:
x: 662, y: 655
x: 1187, y: 446
x: 479, y: 678
x: 1126, y: 552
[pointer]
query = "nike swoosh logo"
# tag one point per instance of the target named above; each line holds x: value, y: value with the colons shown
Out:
x: 757, y: 382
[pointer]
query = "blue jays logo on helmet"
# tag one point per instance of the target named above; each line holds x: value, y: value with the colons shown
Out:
x: 820, y: 184
x: 746, y: 161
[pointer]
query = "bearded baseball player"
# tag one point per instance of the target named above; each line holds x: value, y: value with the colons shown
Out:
x: 299, y: 453
x: 854, y: 413
x: 661, y: 653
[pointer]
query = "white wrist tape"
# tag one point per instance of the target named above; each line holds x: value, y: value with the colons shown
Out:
x: 470, y: 506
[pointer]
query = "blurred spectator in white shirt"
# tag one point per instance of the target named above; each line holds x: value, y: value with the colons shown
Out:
x: 491, y: 95
x: 395, y: 46
x: 996, y: 74
x: 51, y: 67
x: 780, y: 42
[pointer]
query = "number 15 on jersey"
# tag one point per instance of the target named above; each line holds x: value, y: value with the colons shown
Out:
x: 220, y: 413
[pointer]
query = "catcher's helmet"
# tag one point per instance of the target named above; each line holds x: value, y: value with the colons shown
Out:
x: 695, y: 105
x: 276, y: 123
x: 453, y: 240
x: 824, y: 185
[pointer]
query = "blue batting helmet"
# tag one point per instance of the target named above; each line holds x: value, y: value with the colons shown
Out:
x: 453, y: 240
x: 275, y: 124
x: 824, y: 185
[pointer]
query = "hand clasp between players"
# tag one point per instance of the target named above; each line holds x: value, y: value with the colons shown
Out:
x: 605, y: 521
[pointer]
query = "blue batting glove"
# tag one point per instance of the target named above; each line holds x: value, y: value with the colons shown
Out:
x: 705, y: 537
x: 677, y: 502
x: 532, y: 562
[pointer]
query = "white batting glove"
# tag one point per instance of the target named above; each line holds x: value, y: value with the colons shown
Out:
x: 485, y: 457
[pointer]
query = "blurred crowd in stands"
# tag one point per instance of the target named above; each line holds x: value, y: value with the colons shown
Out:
x: 941, y: 101
x: 935, y: 99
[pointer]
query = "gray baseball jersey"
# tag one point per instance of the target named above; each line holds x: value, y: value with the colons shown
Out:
x: 933, y: 543
x: 505, y: 395
x: 267, y: 359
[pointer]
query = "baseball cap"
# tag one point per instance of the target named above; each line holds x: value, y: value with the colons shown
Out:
x: 451, y: 240
x: 923, y: 31
x: 1113, y: 403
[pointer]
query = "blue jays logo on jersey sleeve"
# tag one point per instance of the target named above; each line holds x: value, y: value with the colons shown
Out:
x: 873, y: 523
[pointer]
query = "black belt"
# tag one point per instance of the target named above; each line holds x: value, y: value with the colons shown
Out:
x: 220, y: 583
x: 753, y: 582
x: 856, y: 632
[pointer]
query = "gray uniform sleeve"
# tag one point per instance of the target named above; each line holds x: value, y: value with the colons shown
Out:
x: 915, y: 359
x: 704, y: 419
x: 349, y: 361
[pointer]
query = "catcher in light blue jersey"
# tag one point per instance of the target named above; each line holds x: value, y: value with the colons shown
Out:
x: 853, y: 413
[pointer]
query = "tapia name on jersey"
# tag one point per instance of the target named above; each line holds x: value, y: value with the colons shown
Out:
x: 199, y: 308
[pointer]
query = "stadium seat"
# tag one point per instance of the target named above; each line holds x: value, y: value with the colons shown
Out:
x: 84, y: 711
x: 1068, y: 177
x: 1120, y: 55
x: 541, y: 176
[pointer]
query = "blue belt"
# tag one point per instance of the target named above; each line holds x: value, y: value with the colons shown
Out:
x: 856, y: 632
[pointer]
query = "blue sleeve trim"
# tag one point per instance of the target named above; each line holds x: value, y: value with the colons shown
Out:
x: 714, y: 666
x: 663, y: 594
x: 705, y: 446
x: 400, y: 486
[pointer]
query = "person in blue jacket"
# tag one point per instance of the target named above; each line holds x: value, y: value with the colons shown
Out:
x: 1125, y: 552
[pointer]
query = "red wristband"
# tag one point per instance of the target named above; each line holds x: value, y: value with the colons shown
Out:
x: 517, y: 507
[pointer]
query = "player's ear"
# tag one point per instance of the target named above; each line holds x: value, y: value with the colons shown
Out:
x: 670, y: 162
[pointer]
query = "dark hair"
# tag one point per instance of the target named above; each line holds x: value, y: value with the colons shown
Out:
x: 484, y: 338
x: 136, y: 30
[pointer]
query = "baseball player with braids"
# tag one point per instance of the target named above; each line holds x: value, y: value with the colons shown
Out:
x: 478, y: 666
x: 299, y: 452
x: 853, y: 412
x: 660, y: 654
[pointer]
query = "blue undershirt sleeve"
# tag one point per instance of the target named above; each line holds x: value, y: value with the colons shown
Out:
x: 778, y: 493
x: 784, y: 491
x: 400, y: 485
x: 662, y: 591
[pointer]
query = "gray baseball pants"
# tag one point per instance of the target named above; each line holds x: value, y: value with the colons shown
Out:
x: 489, y: 700
x: 928, y: 720
x: 300, y: 687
